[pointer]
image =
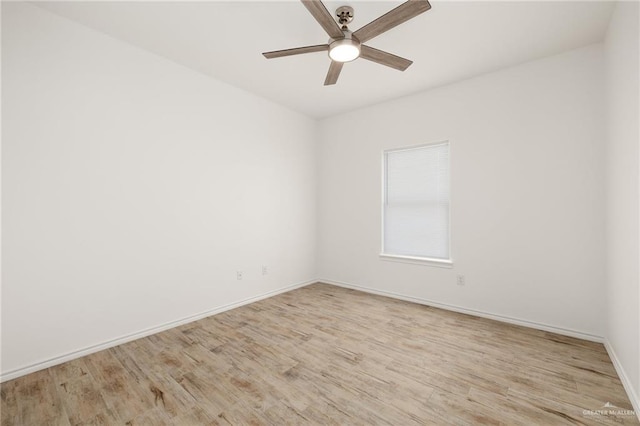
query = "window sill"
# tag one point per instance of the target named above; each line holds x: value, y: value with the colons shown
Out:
x: 439, y: 263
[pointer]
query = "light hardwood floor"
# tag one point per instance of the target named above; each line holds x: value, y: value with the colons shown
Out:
x: 327, y: 355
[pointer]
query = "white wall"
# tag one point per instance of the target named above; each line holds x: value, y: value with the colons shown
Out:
x: 134, y: 188
x: 527, y: 192
x: 623, y: 213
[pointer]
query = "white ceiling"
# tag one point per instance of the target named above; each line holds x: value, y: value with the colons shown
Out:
x: 451, y: 42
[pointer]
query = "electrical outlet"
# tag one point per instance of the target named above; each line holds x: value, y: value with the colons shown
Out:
x: 460, y: 280
x: 239, y: 275
x: 264, y: 270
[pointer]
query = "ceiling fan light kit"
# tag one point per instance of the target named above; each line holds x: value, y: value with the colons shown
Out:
x: 345, y: 46
x: 345, y: 49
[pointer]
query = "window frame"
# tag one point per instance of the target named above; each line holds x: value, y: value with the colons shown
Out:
x: 416, y: 260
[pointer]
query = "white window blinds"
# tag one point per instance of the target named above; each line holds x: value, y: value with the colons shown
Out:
x: 416, y: 202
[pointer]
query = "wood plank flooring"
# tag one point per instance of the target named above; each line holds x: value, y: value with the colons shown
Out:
x: 327, y: 355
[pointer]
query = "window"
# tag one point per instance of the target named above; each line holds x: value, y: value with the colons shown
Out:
x: 416, y: 203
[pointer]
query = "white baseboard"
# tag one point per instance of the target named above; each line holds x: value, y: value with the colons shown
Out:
x: 510, y: 320
x: 631, y: 392
x: 10, y: 375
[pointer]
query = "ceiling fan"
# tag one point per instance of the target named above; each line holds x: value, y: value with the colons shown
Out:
x: 345, y: 46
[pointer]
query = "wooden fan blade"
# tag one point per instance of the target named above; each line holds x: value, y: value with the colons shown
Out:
x: 404, y: 12
x: 324, y: 18
x: 384, y: 58
x: 296, y: 51
x: 334, y: 73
